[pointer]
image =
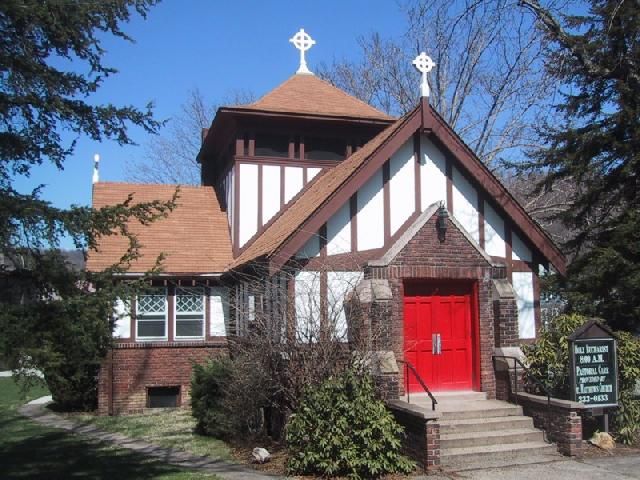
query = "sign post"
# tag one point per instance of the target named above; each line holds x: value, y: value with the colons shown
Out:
x: 594, y: 368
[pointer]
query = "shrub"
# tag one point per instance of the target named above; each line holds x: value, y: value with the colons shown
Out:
x: 66, y: 340
x: 341, y: 428
x: 208, y: 383
x: 627, y: 417
x: 548, y: 358
x: 228, y: 397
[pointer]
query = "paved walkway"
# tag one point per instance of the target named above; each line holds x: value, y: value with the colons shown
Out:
x: 611, y: 468
x: 226, y: 470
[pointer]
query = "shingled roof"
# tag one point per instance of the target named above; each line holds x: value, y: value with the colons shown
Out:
x: 310, y: 95
x: 194, y: 237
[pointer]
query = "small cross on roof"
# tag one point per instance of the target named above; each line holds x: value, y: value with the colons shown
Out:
x: 424, y: 64
x: 303, y: 42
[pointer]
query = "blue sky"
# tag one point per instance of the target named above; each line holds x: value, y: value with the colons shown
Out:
x: 218, y: 47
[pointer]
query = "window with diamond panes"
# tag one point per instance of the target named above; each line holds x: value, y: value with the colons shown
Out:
x: 189, y: 312
x: 151, y: 314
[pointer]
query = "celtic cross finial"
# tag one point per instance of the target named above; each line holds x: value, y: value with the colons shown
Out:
x: 303, y: 42
x: 424, y: 64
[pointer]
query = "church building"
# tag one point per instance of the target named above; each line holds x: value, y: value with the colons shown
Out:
x: 308, y: 197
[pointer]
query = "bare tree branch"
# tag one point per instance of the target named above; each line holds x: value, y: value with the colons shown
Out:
x: 171, y: 157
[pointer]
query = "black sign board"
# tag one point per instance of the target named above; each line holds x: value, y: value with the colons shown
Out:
x: 594, y: 368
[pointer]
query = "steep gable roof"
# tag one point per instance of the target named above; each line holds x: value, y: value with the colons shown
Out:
x: 295, y: 226
x: 316, y: 195
x: 310, y: 95
x: 194, y: 237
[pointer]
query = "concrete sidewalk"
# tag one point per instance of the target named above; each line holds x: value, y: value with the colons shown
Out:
x: 610, y: 468
x: 227, y: 470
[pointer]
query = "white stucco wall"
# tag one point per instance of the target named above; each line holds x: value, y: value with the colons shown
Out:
x: 270, y: 191
x: 339, y: 231
x: 433, y: 176
x: 520, y: 251
x: 312, y: 172
x: 371, y: 214
x: 248, y: 213
x: 401, y: 185
x: 293, y: 182
x: 495, y: 243
x: 523, y: 286
x: 465, y: 204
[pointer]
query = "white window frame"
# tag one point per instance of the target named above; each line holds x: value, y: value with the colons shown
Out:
x: 204, y: 314
x: 166, y: 314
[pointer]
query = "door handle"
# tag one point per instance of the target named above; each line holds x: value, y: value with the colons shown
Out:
x: 436, y: 343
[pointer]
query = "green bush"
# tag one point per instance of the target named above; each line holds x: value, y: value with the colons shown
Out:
x: 66, y: 340
x: 548, y: 359
x: 208, y: 406
x: 342, y: 429
x: 627, y: 417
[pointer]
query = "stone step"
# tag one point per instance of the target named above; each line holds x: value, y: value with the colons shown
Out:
x: 485, y: 424
x: 492, y: 456
x: 451, y: 441
x: 444, y: 397
x: 481, y: 409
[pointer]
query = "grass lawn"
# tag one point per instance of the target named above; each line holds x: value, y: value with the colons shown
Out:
x: 168, y: 428
x: 29, y: 450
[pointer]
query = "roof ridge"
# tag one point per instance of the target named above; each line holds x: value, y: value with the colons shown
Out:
x: 172, y: 185
x: 312, y: 94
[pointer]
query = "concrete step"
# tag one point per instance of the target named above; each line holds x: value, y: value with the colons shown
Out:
x: 450, y: 441
x: 492, y: 456
x: 444, y: 397
x: 489, y: 424
x: 480, y: 409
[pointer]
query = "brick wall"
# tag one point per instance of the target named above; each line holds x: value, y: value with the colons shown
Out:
x: 561, y: 420
x: 506, y: 322
x: 131, y: 368
x: 425, y: 257
x: 421, y: 439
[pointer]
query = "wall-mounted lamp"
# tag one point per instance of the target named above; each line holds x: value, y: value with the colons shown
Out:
x: 441, y: 223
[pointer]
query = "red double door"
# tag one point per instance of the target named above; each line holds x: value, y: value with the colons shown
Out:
x: 438, y: 335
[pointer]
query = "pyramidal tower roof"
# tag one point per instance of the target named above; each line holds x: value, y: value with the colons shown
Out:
x: 307, y: 94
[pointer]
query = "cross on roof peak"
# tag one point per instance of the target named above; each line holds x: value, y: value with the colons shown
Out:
x: 424, y: 64
x: 303, y: 42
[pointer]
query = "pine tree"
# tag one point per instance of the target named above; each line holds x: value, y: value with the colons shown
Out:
x: 54, y: 318
x: 596, y: 55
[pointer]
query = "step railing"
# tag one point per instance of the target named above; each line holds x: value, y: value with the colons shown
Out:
x: 409, y: 367
x: 530, y: 376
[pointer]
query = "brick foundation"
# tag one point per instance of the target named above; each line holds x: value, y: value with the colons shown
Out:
x: 562, y: 420
x: 421, y: 441
x: 131, y: 368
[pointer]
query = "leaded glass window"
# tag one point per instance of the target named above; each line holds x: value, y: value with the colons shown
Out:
x: 151, y: 315
x: 189, y: 312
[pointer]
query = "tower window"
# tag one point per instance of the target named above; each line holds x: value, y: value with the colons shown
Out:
x: 270, y: 145
x: 324, y: 148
